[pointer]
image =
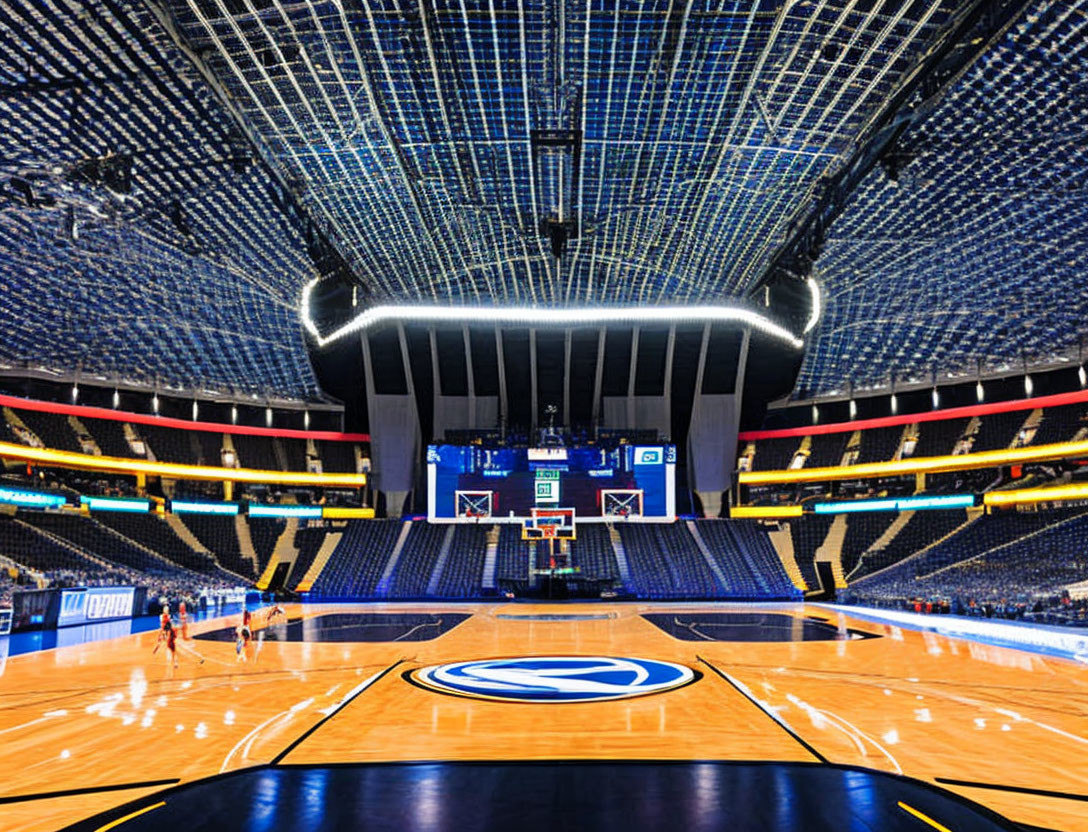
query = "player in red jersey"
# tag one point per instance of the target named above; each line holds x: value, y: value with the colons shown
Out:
x: 164, y: 625
x: 171, y: 644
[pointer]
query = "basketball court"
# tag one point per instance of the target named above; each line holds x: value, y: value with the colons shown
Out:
x: 413, y: 716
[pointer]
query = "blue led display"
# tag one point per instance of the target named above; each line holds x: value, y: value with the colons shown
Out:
x: 899, y: 504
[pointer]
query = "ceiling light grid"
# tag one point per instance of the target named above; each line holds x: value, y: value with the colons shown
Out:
x: 974, y: 259
x: 699, y: 126
x: 191, y: 277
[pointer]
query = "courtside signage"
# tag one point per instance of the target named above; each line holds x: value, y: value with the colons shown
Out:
x: 554, y: 679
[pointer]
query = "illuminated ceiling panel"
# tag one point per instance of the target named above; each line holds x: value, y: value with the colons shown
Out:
x: 453, y: 146
x: 975, y: 258
x: 136, y: 239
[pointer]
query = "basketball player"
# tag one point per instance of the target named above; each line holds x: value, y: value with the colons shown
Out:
x: 171, y: 638
x: 164, y: 625
x: 164, y: 616
x: 275, y: 614
x: 183, y: 621
x: 245, y: 634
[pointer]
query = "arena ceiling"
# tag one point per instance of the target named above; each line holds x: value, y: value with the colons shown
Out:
x: 174, y: 172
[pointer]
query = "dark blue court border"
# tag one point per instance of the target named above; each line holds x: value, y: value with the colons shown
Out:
x: 632, y: 796
x: 353, y: 627
x: 765, y: 627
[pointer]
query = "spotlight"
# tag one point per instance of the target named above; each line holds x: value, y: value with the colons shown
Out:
x: 75, y: 392
x: 935, y: 397
x: 1029, y: 387
x: 155, y: 403
x: 196, y: 411
x: 980, y: 394
x: 853, y: 409
x: 116, y: 400
x: 268, y: 416
x: 233, y: 415
x: 1082, y: 375
x: 894, y: 404
x: 815, y: 414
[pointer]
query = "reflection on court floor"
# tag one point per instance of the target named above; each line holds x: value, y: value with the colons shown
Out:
x: 744, y: 626
x: 354, y: 627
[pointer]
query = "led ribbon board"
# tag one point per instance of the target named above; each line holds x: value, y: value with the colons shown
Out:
x: 30, y: 499
x: 258, y: 510
x: 189, y: 507
x: 535, y: 317
x: 901, y: 504
x: 116, y: 504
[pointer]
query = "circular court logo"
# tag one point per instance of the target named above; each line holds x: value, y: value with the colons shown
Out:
x: 553, y: 679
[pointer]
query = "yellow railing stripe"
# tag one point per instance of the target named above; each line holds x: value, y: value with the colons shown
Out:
x: 171, y: 470
x: 765, y: 511
x: 923, y: 465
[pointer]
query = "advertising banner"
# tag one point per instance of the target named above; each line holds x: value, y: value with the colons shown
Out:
x: 79, y: 606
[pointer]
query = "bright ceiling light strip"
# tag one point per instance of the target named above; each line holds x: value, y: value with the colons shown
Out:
x: 531, y: 316
x: 117, y: 465
x: 1075, y: 491
x: 924, y: 465
x: 814, y: 316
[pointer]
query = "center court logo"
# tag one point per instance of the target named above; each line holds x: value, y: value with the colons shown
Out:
x: 554, y: 679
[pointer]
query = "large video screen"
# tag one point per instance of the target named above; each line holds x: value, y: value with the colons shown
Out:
x: 631, y: 482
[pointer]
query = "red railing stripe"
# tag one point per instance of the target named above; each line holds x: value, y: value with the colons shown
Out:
x: 84, y: 411
x: 911, y: 418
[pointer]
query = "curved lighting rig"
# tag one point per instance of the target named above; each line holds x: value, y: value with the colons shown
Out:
x: 545, y: 316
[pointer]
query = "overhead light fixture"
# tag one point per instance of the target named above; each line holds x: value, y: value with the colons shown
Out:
x: 537, y: 317
x: 814, y: 316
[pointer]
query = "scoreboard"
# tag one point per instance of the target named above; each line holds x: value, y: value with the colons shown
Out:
x: 468, y: 482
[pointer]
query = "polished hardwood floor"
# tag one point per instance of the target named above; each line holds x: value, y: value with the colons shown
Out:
x: 1002, y: 727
